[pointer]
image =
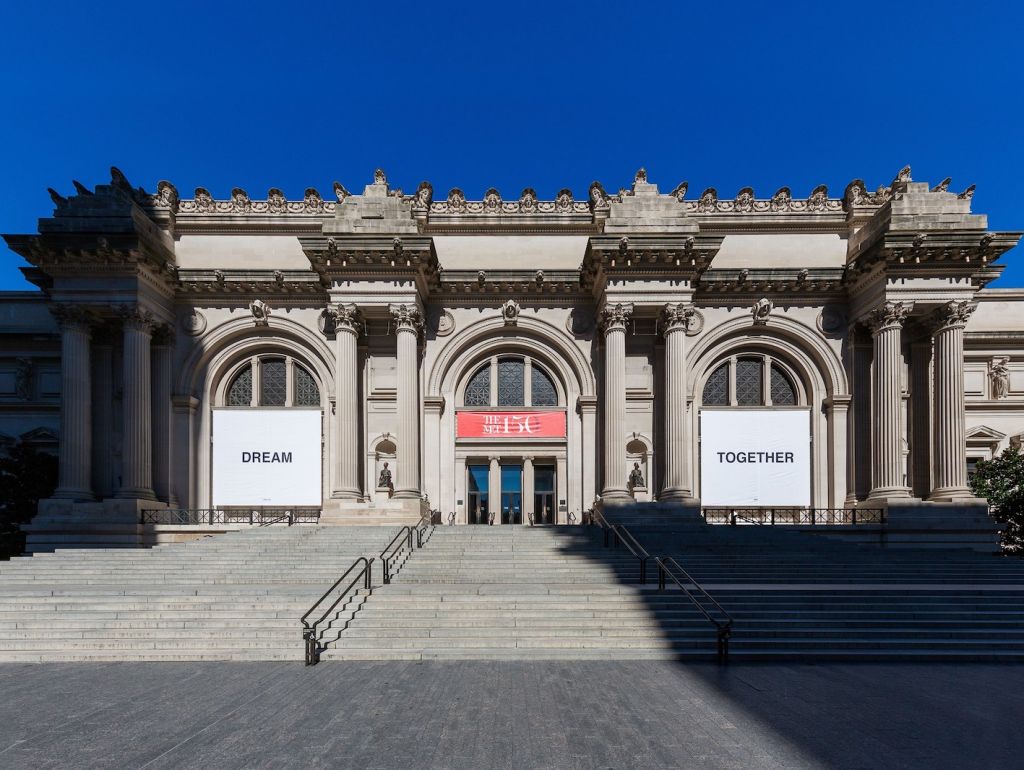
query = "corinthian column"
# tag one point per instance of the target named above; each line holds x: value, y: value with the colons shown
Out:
x: 75, y: 472
x: 163, y: 347
x: 887, y: 446
x: 948, y: 324
x: 137, y: 447
x: 675, y: 319
x: 613, y: 321
x: 408, y: 322
x: 346, y: 420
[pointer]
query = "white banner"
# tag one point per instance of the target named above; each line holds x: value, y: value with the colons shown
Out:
x: 266, y: 457
x: 755, y: 457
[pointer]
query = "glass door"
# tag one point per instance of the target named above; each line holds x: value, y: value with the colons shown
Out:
x: 544, y: 510
x: 512, y: 494
x: 477, y: 494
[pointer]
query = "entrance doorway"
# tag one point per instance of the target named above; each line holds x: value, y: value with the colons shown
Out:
x: 512, y: 493
x: 544, y: 511
x: 477, y: 496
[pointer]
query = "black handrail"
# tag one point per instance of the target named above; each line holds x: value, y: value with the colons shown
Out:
x: 426, y: 524
x: 804, y: 517
x: 387, y: 558
x: 624, y: 536
x: 723, y: 625
x: 309, y: 634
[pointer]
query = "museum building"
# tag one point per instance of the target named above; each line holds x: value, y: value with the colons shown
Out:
x: 365, y: 358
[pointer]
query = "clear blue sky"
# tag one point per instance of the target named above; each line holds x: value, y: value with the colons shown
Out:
x: 723, y: 94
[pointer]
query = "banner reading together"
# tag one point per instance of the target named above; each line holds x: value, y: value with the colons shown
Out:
x: 510, y: 424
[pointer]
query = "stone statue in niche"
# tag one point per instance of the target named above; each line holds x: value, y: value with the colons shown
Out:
x: 636, y: 477
x: 384, y: 482
x: 1000, y: 374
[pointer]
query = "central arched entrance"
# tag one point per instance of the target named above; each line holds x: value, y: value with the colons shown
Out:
x: 516, y: 403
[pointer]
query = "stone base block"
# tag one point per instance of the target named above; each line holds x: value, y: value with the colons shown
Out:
x: 393, y: 512
x: 110, y: 523
x: 657, y: 514
x: 961, y: 524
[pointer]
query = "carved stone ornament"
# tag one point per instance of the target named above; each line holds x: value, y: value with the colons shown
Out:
x: 676, y: 315
x: 260, y: 312
x: 943, y: 186
x: 952, y: 315
x: 818, y: 200
x: 761, y: 310
x: 445, y: 324
x: 276, y: 202
x: 204, y: 201
x: 744, y: 200
x: 528, y: 201
x: 831, y: 320
x: 903, y: 177
x: 615, y: 316
x: 345, y: 317
x: 407, y: 317
x: 240, y: 202
x: 134, y: 317
x: 679, y: 193
x: 510, y: 312
x: 424, y: 195
x: 782, y: 200
x: 456, y: 201
x: 72, y: 316
x: 312, y: 201
x: 999, y: 374
x: 340, y: 192
x: 379, y: 177
x: 598, y: 197
x: 640, y: 178
x: 708, y: 201
x: 492, y: 201
x: 166, y: 195
x: 636, y: 477
x: 563, y: 202
x: 890, y: 315
x: 194, y: 323
x: 967, y: 194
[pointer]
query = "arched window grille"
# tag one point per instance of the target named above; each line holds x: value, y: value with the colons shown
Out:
x: 269, y: 376
x: 750, y: 380
x: 517, y: 382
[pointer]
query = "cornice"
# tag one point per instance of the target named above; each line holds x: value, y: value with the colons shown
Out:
x: 810, y: 281
x: 241, y: 283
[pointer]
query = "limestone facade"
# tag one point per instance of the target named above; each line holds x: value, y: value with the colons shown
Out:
x: 395, y: 313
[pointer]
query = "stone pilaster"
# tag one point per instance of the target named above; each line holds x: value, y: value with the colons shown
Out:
x: 886, y: 325
x: 613, y: 321
x: 408, y: 323
x: 137, y: 444
x: 494, y: 488
x: 102, y: 416
x: 163, y: 349
x: 677, y: 487
x: 528, y: 487
x: 347, y: 446
x: 75, y: 472
x: 950, y: 456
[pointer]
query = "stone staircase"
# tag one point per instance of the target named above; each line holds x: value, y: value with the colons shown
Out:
x: 477, y: 592
x: 235, y: 596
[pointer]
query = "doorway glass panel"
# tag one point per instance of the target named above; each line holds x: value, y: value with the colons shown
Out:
x: 512, y: 494
x: 477, y: 497
x: 544, y: 510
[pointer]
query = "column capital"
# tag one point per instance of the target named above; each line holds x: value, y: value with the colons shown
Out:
x: 890, y: 315
x: 615, y: 316
x: 346, y: 317
x: 164, y: 336
x: 587, y: 404
x: 406, y: 317
x: 952, y: 315
x: 69, y: 316
x: 676, y: 316
x: 134, y: 317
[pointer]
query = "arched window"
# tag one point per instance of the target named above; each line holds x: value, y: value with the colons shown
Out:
x: 269, y: 376
x: 519, y: 381
x: 750, y: 380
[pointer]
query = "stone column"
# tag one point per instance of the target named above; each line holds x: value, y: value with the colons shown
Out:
x: 886, y: 402
x: 75, y: 470
x: 163, y: 348
x: 137, y: 444
x: 613, y: 321
x: 588, y: 418
x: 677, y: 488
x: 102, y: 417
x: 494, y: 489
x: 948, y: 324
x: 347, y: 444
x: 408, y: 322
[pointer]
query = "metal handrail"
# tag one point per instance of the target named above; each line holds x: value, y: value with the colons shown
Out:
x: 624, y: 536
x: 309, y: 635
x: 239, y: 516
x: 387, y: 558
x: 794, y: 516
x: 426, y: 524
x: 722, y: 626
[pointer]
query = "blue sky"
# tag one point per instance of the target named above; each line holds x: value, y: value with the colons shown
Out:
x: 475, y: 95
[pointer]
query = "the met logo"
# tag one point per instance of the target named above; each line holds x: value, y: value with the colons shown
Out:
x: 506, y: 424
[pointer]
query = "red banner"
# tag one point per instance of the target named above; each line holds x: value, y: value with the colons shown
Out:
x: 510, y: 424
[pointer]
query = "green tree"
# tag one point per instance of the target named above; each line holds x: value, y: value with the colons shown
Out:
x: 1001, y: 481
x: 26, y: 476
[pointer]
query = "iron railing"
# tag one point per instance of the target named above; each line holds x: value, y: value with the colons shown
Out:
x: 399, y: 543
x: 804, y: 517
x: 698, y: 596
x: 363, y: 568
x: 426, y: 527
x: 250, y: 516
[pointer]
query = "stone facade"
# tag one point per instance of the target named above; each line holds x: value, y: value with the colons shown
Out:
x: 870, y: 310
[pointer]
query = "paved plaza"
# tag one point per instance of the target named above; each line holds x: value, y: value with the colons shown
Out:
x: 485, y: 715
